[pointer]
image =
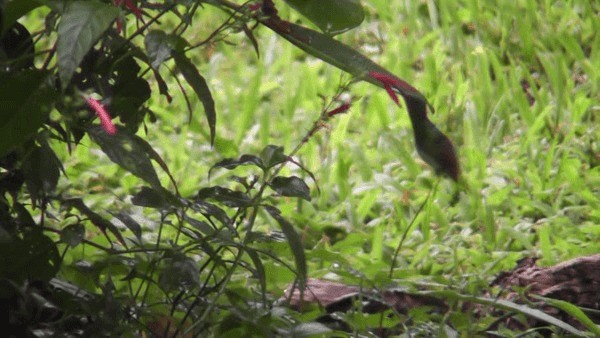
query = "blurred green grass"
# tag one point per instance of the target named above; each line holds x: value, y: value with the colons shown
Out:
x: 515, y: 86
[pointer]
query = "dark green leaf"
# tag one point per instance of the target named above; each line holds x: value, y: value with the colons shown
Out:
x: 198, y: 83
x: 130, y: 93
x: 252, y: 39
x: 260, y: 269
x: 210, y: 210
x: 339, y: 55
x: 272, y: 155
x: 127, y: 151
x: 17, y: 46
x: 15, y: 10
x: 157, y: 47
x: 23, y: 215
x: 294, y: 242
x: 234, y: 199
x: 292, y: 186
x: 201, y: 226
x: 42, y: 170
x: 231, y: 163
x: 35, y: 256
x: 97, y: 220
x: 72, y: 235
x: 25, y: 102
x: 150, y: 198
x: 179, y: 272
x: 156, y: 157
x: 80, y: 26
x: 331, y: 16
x: 130, y: 223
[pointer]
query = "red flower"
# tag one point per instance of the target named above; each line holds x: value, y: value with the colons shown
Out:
x: 105, y: 119
x: 129, y: 4
x: 389, y: 83
x: 339, y: 110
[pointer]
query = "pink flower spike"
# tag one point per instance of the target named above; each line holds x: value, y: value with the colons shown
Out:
x: 105, y: 119
x: 388, y: 82
x: 254, y: 7
x: 339, y: 110
x: 133, y: 8
x: 385, y: 79
x: 391, y: 93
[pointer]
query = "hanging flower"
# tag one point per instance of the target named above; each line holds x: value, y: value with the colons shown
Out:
x: 105, y: 119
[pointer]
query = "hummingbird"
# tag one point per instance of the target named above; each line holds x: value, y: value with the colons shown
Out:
x: 432, y: 145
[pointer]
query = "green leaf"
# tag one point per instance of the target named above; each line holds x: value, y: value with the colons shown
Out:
x: 42, y: 170
x: 201, y: 226
x: 234, y: 199
x: 294, y: 242
x: 178, y: 272
x: 81, y: 25
x: 292, y: 186
x: 260, y: 269
x: 209, y: 210
x: 33, y: 256
x: 73, y: 235
x: 574, y: 312
x: 506, y: 305
x: 25, y: 102
x: 130, y: 223
x: 15, y: 10
x: 127, y: 151
x: 151, y: 198
x: 338, y: 54
x: 97, y: 220
x: 157, y: 47
x: 272, y: 155
x: 198, y: 83
x: 331, y: 16
x: 230, y: 163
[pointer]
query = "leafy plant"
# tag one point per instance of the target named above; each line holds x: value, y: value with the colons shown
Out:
x: 93, y: 248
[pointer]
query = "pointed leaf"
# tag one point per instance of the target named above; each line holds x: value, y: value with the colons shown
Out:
x: 203, y: 227
x: 33, y: 256
x: 15, y: 10
x: 73, y: 235
x: 292, y: 186
x: 260, y: 269
x: 507, y: 305
x: 252, y: 39
x: 337, y: 54
x: 178, y: 272
x: 125, y: 150
x: 294, y: 242
x: 150, y: 198
x: 100, y: 222
x: 42, y: 170
x: 574, y: 311
x: 130, y: 223
x: 80, y: 26
x: 198, y: 83
x: 272, y: 155
x: 25, y: 102
x: 234, y: 199
x: 157, y: 47
x: 331, y: 16
x: 209, y: 210
x: 230, y: 163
